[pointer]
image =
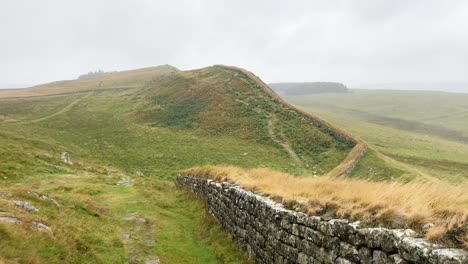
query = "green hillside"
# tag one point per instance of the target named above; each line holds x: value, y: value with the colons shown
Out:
x: 424, y: 130
x: 128, y: 134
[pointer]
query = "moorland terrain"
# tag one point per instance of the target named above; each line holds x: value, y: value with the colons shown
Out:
x: 129, y: 133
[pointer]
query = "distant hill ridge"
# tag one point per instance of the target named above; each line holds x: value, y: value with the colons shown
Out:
x: 308, y: 88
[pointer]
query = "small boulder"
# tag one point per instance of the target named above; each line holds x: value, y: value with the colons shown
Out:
x: 42, y: 228
x: 26, y: 206
x: 45, y: 197
x: 125, y: 237
x: 129, y: 217
x: 59, y: 168
x: 9, y: 219
x: 152, y: 261
x: 65, y: 157
x: 125, y: 181
x: 6, y: 195
x: 427, y: 227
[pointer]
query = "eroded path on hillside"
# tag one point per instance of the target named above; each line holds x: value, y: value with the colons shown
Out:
x: 61, y: 111
x: 281, y: 140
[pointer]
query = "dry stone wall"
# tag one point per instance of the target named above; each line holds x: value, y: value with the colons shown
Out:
x: 272, y: 234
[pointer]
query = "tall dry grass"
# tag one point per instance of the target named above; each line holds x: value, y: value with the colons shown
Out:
x: 391, y: 204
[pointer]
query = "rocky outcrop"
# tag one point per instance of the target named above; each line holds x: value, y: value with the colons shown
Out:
x: 42, y: 228
x: 272, y: 234
x: 65, y: 157
x: 45, y: 197
x: 26, y: 206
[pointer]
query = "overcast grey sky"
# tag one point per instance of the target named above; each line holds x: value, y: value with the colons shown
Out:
x: 362, y: 41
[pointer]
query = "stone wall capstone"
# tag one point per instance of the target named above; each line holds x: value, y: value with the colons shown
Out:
x: 271, y: 233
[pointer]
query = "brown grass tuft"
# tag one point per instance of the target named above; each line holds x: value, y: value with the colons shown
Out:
x: 436, y: 233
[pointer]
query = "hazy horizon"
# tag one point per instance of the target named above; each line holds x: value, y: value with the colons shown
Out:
x: 452, y: 87
x: 359, y: 44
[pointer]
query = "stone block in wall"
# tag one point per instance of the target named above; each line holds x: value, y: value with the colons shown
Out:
x: 313, y: 222
x: 315, y: 236
x: 343, y: 261
x: 365, y: 255
x: 448, y: 256
x: 350, y: 252
x: 389, y: 240
x: 415, y: 249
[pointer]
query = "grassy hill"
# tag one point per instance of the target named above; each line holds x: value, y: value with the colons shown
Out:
x: 425, y: 132
x: 128, y: 134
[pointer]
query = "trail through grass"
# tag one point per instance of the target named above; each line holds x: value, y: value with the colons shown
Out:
x: 284, y: 143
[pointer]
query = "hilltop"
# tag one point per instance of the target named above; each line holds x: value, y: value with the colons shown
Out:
x: 113, y: 80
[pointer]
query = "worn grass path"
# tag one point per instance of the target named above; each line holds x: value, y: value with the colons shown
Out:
x: 61, y: 111
x: 284, y: 143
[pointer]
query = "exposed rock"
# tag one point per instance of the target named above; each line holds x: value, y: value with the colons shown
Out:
x: 125, y: 237
x: 110, y: 170
x: 152, y: 261
x: 42, y: 228
x: 129, y: 217
x: 6, y: 195
x: 449, y: 256
x: 45, y: 197
x: 416, y: 249
x: 66, y: 158
x: 427, y: 226
x: 139, y: 174
x: 26, y: 206
x: 5, y: 218
x: 125, y: 181
x: 57, y: 167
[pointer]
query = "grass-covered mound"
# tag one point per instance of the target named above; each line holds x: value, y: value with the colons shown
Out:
x: 220, y: 101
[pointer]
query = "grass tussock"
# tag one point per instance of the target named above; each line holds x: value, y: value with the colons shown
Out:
x: 391, y: 204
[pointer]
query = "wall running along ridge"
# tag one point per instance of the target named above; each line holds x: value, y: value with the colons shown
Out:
x: 272, y: 234
x: 353, y: 157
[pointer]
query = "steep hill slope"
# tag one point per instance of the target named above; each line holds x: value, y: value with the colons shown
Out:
x: 117, y: 201
x: 225, y: 101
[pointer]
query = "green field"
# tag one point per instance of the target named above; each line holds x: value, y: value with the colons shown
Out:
x: 155, y: 126
x: 423, y: 132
